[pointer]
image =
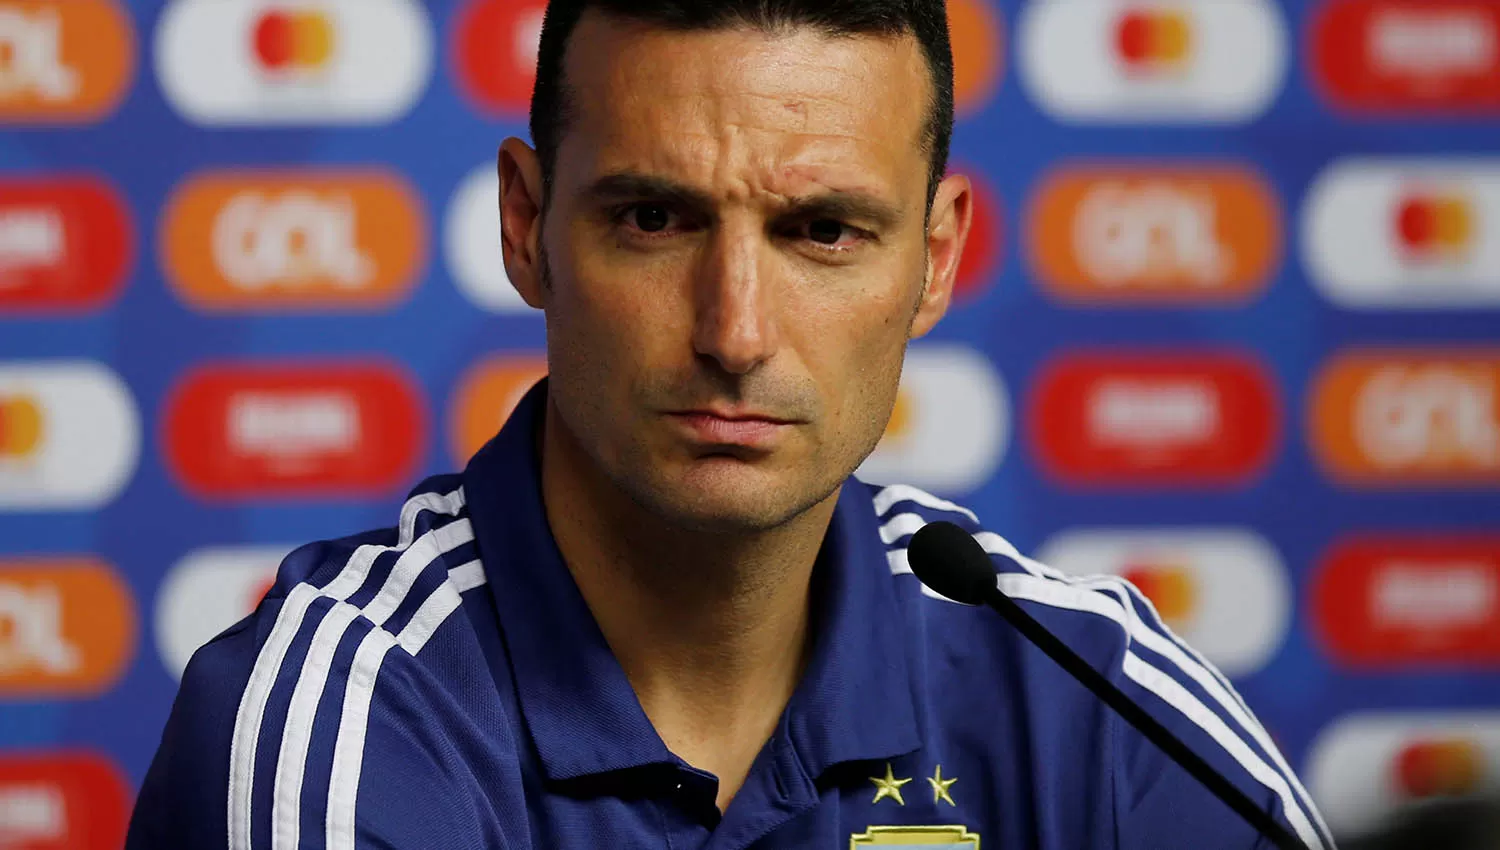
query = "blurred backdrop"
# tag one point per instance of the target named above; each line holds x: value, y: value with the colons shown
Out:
x: 1229, y: 326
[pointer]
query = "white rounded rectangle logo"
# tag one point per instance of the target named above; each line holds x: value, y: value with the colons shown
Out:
x: 300, y: 62
x: 1364, y: 767
x: 1171, y: 62
x: 1405, y: 233
x: 70, y: 435
x: 1224, y: 590
x: 208, y: 591
x: 950, y: 424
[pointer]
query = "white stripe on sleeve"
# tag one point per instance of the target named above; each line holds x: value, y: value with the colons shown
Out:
x: 889, y: 496
x: 251, y: 712
x: 349, y: 747
x: 291, y: 763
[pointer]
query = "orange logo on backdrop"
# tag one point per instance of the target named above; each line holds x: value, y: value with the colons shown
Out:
x: 485, y: 398
x: 1155, y: 234
x: 1409, y: 417
x: 978, y: 53
x: 22, y: 427
x: 66, y: 627
x: 1438, y: 767
x: 284, y: 240
x: 63, y: 62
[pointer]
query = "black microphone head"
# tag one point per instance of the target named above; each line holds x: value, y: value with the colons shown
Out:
x: 951, y: 562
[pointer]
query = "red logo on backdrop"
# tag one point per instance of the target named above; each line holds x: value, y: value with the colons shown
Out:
x: 293, y: 41
x: 65, y: 244
x: 294, y: 430
x: 1151, y: 40
x: 257, y: 593
x: 1383, y: 600
x: 986, y: 232
x: 494, y: 52
x: 62, y: 801
x: 1185, y: 418
x: 1398, y: 55
x: 1438, y: 767
x: 1170, y: 587
x: 1434, y: 226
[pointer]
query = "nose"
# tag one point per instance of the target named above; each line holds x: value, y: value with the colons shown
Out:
x: 734, y: 321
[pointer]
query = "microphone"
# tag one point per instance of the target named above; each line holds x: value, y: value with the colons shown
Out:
x: 951, y: 562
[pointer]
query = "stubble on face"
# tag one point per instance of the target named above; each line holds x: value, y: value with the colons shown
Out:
x: 660, y: 389
x: 619, y: 362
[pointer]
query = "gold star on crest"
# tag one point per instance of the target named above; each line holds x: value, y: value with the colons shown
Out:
x: 940, y: 787
x: 890, y: 786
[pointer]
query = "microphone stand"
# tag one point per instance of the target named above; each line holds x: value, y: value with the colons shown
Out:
x: 1144, y: 723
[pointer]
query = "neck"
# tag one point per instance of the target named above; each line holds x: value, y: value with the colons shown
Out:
x: 710, y: 628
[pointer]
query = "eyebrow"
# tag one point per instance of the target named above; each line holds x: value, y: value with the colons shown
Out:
x: 837, y: 204
x: 629, y: 184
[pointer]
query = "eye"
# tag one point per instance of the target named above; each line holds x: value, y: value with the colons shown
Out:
x: 648, y: 218
x: 825, y: 231
x: 830, y: 234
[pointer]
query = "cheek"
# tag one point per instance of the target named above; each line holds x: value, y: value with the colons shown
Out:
x: 599, y: 307
x: 612, y: 338
x: 879, y: 375
x: 858, y: 357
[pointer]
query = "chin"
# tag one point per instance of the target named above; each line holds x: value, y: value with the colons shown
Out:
x: 724, y: 500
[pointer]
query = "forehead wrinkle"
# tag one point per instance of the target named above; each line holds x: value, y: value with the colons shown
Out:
x: 731, y: 132
x: 737, y: 163
x: 765, y: 147
x: 733, y: 169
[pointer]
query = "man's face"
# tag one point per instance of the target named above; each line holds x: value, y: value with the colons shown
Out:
x: 735, y: 256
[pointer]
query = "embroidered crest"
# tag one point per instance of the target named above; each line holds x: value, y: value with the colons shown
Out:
x: 916, y: 838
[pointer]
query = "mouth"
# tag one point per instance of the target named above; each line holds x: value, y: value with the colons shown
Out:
x: 731, y: 428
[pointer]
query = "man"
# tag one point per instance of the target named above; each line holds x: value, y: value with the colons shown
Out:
x: 656, y: 610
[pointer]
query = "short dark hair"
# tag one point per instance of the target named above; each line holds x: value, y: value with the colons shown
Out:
x: 926, y: 20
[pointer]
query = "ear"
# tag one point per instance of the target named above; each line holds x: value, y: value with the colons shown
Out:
x: 521, y: 218
x: 947, y: 231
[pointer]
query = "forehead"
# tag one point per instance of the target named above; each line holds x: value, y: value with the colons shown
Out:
x: 784, y: 112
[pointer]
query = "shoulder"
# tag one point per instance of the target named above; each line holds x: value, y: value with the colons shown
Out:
x: 276, y: 710
x: 433, y: 522
x: 1103, y: 618
x: 902, y: 510
x: 1110, y: 623
x: 1106, y: 608
x: 393, y: 588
